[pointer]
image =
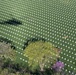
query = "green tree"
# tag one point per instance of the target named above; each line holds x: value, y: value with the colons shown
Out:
x: 7, y: 51
x: 4, y: 72
x: 41, y: 55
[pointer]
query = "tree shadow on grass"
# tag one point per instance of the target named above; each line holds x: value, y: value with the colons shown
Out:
x: 32, y: 40
x: 7, y: 41
x: 13, y: 22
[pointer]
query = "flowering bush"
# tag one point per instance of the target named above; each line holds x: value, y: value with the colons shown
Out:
x: 58, y: 66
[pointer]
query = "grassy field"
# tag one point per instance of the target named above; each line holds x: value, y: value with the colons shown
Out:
x: 53, y: 20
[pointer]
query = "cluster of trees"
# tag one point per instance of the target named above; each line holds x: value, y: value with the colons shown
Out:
x: 41, y: 57
x: 8, y: 67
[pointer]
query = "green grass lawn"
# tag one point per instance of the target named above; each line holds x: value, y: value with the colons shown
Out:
x: 53, y: 20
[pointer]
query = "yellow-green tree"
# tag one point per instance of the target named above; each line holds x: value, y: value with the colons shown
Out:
x: 41, y: 55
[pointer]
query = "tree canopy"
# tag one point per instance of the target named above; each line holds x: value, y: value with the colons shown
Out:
x: 41, y: 55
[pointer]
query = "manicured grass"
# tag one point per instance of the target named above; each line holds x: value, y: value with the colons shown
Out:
x: 52, y: 20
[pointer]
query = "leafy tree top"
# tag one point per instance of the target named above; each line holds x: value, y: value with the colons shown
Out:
x: 7, y: 51
x: 41, y: 55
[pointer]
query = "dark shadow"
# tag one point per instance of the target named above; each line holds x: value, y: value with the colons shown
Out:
x: 7, y: 41
x: 13, y: 22
x: 32, y: 40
